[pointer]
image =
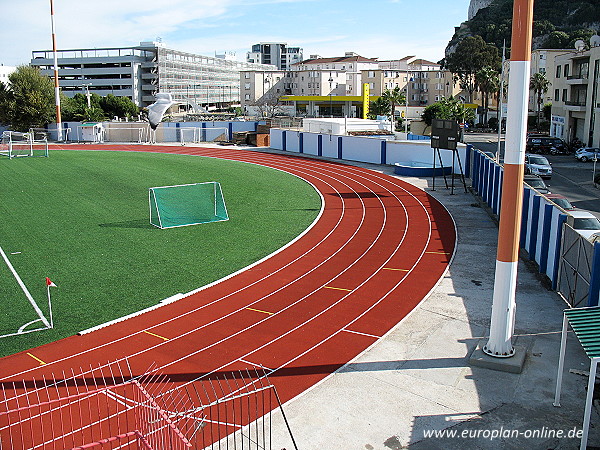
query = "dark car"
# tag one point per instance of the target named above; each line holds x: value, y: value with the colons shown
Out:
x: 546, y: 144
x: 536, y: 183
x: 561, y: 201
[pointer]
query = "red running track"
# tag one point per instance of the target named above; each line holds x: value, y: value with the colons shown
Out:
x: 378, y: 248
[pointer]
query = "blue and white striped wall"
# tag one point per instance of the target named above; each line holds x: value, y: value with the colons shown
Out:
x: 363, y: 149
x: 541, y: 226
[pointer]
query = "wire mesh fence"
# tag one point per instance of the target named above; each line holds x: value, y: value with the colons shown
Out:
x: 108, y: 407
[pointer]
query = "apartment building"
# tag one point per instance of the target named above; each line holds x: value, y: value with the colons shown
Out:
x: 278, y: 54
x: 141, y: 71
x: 575, y: 94
x: 423, y: 82
x: 543, y: 61
x: 261, y: 87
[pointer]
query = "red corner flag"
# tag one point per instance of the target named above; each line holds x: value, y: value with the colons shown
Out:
x: 50, y: 283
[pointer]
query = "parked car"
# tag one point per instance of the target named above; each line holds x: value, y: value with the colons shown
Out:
x: 561, y: 201
x: 545, y: 144
x: 584, y: 222
x: 536, y: 183
x: 538, y: 165
x: 587, y: 154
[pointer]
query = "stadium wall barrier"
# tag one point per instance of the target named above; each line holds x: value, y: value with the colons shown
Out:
x: 166, y: 132
x: 366, y: 149
x: 541, y: 226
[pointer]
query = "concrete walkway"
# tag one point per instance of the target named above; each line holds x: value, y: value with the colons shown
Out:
x: 417, y: 379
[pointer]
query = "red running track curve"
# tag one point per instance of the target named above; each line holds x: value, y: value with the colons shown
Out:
x: 378, y: 248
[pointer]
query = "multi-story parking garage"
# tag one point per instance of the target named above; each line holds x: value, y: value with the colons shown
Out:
x: 140, y: 72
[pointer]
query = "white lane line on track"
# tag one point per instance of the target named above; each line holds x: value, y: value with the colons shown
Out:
x: 395, y: 186
x: 363, y: 334
x: 314, y: 248
x: 335, y: 333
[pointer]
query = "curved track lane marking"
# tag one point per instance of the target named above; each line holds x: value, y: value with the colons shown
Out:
x: 306, y: 168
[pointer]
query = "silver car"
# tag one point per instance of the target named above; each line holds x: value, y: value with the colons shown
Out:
x: 538, y: 165
x: 587, y: 154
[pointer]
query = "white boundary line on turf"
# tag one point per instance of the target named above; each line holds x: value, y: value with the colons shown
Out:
x: 404, y: 189
x: 25, y: 290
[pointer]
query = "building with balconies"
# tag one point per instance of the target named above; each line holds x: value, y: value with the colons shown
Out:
x: 576, y: 96
x: 277, y: 54
x: 140, y: 72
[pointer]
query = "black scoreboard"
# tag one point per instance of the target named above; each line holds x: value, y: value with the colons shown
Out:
x: 444, y: 134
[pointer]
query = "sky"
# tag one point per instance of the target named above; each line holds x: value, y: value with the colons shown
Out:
x: 384, y: 29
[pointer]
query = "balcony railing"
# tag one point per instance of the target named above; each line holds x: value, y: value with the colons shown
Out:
x: 575, y: 103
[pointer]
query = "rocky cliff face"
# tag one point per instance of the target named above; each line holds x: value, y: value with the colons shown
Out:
x: 476, y: 5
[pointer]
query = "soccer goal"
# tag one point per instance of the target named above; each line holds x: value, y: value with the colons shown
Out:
x: 187, y: 204
x: 14, y: 144
x: 195, y: 135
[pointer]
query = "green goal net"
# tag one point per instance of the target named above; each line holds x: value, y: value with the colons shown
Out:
x: 187, y: 204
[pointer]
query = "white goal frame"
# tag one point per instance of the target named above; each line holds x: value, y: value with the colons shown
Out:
x: 25, y: 146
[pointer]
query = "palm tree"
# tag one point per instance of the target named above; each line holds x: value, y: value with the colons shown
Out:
x: 395, y: 97
x: 488, y: 82
x: 379, y: 107
x: 539, y: 84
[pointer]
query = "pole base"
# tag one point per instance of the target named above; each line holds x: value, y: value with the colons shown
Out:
x: 512, y: 364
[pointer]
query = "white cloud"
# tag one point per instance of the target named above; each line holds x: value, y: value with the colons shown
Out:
x: 206, y: 26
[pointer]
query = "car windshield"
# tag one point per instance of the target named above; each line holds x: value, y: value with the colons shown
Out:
x: 563, y: 203
x: 539, y: 160
x: 536, y: 183
x: 586, y: 223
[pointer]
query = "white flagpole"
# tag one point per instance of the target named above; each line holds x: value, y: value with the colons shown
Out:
x: 49, y: 306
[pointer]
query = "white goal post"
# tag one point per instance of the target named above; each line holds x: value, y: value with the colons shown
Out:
x: 15, y: 144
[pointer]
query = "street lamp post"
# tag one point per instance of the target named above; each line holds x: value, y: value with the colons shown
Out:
x: 406, y: 103
x: 330, y: 99
x: 86, y: 86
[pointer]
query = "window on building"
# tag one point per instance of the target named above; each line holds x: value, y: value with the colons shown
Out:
x: 246, y: 85
x: 372, y: 74
x: 247, y: 97
x: 372, y: 85
x: 566, y: 70
x: 564, y: 95
x: 246, y: 75
x: 556, y: 95
x: 558, y: 71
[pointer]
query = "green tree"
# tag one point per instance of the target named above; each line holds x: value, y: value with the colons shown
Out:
x: 539, y: 84
x: 488, y: 82
x: 28, y: 100
x: 471, y: 55
x: 557, y: 39
x: 449, y: 109
x: 394, y: 97
x: 379, y: 107
x: 77, y: 108
x: 118, y: 106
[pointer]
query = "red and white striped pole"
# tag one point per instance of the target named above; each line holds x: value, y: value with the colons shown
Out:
x: 503, y: 306
x: 56, y: 86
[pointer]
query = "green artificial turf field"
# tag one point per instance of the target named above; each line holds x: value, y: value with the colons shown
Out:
x: 82, y: 219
